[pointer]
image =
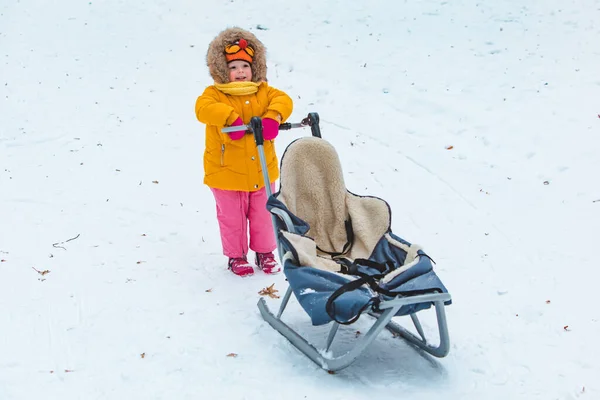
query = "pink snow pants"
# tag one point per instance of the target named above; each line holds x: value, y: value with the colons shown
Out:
x: 235, y: 211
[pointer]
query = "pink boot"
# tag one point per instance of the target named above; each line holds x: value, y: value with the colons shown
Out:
x: 267, y: 262
x: 240, y: 267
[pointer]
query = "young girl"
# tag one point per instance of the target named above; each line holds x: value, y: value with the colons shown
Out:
x: 237, y: 62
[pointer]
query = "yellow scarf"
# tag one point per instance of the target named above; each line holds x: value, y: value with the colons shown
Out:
x: 238, y: 88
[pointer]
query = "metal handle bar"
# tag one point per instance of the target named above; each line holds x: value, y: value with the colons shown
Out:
x: 311, y: 120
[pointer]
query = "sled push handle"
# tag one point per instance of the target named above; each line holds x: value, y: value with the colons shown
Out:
x: 312, y: 120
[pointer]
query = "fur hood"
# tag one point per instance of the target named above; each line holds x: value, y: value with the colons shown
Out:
x: 217, y: 64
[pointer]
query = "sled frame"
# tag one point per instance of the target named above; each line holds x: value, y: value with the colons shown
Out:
x: 324, y: 358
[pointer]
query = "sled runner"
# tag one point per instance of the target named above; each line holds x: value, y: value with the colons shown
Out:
x: 340, y: 256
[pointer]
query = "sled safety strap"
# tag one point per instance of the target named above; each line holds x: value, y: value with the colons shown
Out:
x: 351, y: 268
x: 349, y: 241
x: 350, y: 286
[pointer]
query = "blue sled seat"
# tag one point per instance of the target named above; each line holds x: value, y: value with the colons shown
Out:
x: 314, y: 280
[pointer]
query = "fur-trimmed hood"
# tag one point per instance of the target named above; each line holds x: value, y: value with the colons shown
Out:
x: 215, y: 57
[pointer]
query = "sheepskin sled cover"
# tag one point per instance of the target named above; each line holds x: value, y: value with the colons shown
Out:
x: 334, y: 227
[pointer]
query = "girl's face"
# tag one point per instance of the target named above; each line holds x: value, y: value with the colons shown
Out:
x: 240, y: 71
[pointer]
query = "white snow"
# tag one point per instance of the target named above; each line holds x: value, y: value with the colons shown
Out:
x: 478, y: 122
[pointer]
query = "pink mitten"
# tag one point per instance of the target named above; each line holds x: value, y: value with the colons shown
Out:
x: 270, y: 128
x: 237, y: 135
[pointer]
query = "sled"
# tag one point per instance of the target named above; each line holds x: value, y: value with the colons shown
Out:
x: 340, y: 256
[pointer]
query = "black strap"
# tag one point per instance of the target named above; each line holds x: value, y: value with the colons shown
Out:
x: 350, y: 286
x: 349, y: 241
x: 423, y: 254
x: 351, y: 268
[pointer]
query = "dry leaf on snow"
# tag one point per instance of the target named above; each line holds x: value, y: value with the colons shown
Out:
x: 44, y: 272
x: 269, y: 291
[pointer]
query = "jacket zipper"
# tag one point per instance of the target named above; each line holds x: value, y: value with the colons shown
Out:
x: 222, y: 154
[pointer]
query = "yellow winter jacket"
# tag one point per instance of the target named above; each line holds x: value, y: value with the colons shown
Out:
x: 234, y: 164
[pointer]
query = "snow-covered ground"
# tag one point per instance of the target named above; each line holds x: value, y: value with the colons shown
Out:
x: 478, y: 122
